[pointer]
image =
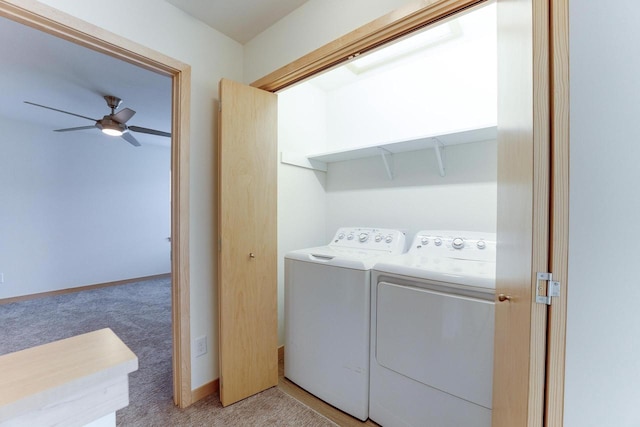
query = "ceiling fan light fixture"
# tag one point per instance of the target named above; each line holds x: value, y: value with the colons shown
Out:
x: 112, y: 132
x: 111, y: 127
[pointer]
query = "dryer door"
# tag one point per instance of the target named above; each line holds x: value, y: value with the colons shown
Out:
x: 441, y: 340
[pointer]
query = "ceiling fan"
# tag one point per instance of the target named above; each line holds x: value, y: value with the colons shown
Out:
x: 112, y: 124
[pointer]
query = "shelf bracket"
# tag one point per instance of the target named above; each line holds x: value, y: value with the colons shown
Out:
x: 438, y: 147
x: 388, y: 164
x: 302, y: 161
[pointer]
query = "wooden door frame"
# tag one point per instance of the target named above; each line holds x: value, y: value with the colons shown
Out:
x: 559, y: 217
x: 70, y: 28
x: 550, y: 30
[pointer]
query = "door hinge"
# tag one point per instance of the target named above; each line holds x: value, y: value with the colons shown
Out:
x: 552, y: 288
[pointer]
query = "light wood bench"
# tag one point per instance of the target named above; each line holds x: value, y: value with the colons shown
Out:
x: 72, y: 382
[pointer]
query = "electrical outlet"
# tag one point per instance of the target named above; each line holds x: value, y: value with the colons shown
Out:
x: 201, y: 346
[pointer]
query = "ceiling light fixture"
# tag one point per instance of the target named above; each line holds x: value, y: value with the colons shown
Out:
x: 415, y: 43
x: 112, y: 132
x: 111, y: 127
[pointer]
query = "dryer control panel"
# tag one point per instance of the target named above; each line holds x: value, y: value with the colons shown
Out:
x: 467, y: 245
x: 382, y: 239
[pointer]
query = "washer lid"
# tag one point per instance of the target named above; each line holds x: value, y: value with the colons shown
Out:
x: 339, y: 257
x: 354, y: 247
x: 474, y: 273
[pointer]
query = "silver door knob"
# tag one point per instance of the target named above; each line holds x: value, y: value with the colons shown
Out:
x: 252, y: 255
x: 503, y: 297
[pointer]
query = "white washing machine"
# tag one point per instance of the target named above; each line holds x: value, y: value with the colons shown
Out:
x: 432, y: 324
x: 327, y: 307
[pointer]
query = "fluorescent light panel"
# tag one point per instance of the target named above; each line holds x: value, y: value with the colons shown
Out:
x: 406, y: 47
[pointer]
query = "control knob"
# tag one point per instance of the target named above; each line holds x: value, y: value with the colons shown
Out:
x: 379, y: 238
x: 363, y: 237
x: 350, y: 236
x: 481, y: 244
x: 437, y: 241
x: 457, y: 243
x: 424, y: 240
x: 389, y: 239
x: 341, y: 236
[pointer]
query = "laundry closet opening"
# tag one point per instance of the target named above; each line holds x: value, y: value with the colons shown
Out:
x: 400, y: 138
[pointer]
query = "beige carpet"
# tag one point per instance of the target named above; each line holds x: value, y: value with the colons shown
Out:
x: 140, y: 314
x: 270, y: 408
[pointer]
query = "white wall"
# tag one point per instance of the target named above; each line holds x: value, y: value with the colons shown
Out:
x: 312, y: 25
x: 211, y: 55
x: 429, y: 93
x: 359, y: 193
x: 449, y: 86
x: 80, y: 209
x: 301, y: 195
x: 603, y: 324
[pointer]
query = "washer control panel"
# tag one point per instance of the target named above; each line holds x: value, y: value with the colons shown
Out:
x: 470, y: 245
x: 382, y: 239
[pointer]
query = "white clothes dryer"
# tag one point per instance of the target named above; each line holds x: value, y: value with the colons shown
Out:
x: 432, y: 325
x: 327, y: 314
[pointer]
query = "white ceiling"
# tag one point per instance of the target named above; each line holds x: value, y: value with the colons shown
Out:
x: 241, y: 20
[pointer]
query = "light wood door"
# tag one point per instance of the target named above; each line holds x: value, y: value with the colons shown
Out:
x: 247, y: 260
x: 523, y: 212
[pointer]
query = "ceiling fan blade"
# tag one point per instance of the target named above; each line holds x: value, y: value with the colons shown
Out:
x: 61, y: 111
x: 149, y: 131
x: 78, y: 128
x: 130, y: 139
x: 123, y: 115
